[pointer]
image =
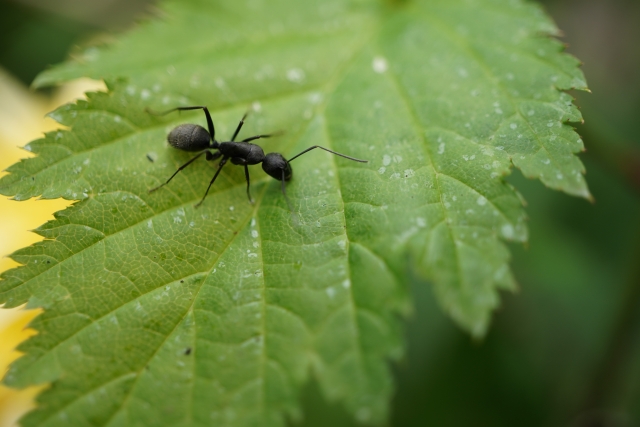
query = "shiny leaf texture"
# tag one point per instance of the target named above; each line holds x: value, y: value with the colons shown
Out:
x: 159, y: 313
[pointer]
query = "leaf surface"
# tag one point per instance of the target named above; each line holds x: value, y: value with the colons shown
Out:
x: 158, y: 313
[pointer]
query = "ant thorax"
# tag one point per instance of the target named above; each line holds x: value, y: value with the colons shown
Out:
x: 251, y: 154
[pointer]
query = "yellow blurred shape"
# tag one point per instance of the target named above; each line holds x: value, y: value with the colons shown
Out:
x: 22, y: 119
x: 13, y: 330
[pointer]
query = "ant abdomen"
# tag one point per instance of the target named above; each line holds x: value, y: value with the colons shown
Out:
x: 189, y: 137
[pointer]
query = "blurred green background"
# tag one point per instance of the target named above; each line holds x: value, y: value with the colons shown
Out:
x: 564, y: 350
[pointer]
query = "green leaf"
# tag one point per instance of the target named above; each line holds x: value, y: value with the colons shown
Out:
x: 158, y: 313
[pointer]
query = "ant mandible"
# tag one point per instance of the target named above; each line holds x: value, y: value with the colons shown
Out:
x: 192, y: 137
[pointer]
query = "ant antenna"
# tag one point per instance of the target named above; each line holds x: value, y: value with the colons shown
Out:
x: 300, y: 154
x: 294, y: 216
x: 332, y: 152
x: 284, y: 191
x: 233, y: 138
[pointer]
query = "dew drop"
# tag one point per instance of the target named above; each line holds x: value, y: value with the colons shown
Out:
x: 379, y: 64
x: 295, y: 75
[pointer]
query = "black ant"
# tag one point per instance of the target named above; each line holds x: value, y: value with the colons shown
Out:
x: 191, y: 137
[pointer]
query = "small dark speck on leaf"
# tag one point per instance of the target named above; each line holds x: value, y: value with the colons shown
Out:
x: 181, y: 281
x: 187, y: 351
x: 150, y: 158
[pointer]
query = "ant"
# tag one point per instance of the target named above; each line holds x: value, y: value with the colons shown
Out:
x: 191, y: 137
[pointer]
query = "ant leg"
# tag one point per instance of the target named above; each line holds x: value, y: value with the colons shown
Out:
x: 212, y: 156
x: 233, y: 138
x: 268, y: 135
x: 246, y: 174
x: 284, y: 192
x: 333, y: 152
x: 212, y: 129
x: 222, y: 162
x: 176, y: 172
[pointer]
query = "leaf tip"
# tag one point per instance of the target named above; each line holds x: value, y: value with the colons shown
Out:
x: 43, y: 80
x: 590, y: 198
x: 479, y: 330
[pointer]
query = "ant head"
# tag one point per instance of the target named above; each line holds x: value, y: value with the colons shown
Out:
x: 189, y: 137
x: 274, y: 164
